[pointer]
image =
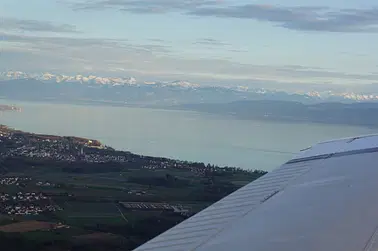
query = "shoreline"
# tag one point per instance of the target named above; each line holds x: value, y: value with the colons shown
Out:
x: 4, y: 129
x: 10, y: 108
x: 96, y: 144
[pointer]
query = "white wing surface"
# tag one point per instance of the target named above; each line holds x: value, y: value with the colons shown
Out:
x: 326, y: 198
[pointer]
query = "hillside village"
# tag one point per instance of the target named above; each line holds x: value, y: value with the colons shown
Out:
x: 83, y: 188
x: 15, y: 143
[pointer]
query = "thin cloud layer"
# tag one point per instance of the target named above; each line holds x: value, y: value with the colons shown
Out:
x: 145, y: 6
x: 14, y: 24
x: 95, y: 45
x: 211, y: 42
x: 300, y: 18
x: 23, y: 52
x: 321, y: 19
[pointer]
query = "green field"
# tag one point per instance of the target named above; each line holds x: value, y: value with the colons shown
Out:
x: 90, y: 199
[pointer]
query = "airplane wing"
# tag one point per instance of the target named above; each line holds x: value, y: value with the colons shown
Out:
x: 326, y: 198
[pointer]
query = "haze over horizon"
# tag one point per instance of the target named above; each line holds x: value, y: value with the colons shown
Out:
x: 213, y: 40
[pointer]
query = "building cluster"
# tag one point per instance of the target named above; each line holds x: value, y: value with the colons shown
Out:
x: 151, y: 206
x: 6, y: 135
x: 58, y: 149
x: 46, y: 152
x: 8, y: 181
x: 23, y: 197
x: 155, y: 165
x: 26, y: 204
x: 137, y: 192
x: 97, y: 158
x: 61, y: 149
x: 28, y: 209
x: 45, y: 184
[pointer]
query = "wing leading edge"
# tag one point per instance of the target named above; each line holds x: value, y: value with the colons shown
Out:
x: 323, y: 199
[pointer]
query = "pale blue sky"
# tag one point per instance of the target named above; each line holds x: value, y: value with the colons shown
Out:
x: 290, y: 41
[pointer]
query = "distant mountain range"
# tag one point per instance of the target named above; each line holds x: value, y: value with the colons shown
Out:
x: 157, y: 94
x: 238, y: 102
x: 90, y: 79
x: 130, y: 91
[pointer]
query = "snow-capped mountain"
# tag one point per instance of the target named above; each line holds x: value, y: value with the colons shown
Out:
x: 344, y: 95
x: 49, y: 77
x: 177, y: 83
x: 90, y: 79
x: 184, y: 84
x: 241, y: 91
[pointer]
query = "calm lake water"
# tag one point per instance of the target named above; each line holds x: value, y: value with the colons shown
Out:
x: 178, y: 134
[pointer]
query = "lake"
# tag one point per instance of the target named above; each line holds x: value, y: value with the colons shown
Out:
x: 181, y: 135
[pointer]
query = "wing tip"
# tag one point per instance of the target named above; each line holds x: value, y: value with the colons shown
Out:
x: 339, y: 145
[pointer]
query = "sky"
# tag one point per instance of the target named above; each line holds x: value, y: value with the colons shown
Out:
x: 291, y: 41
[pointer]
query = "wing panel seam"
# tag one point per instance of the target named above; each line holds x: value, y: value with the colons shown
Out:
x: 309, y: 168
